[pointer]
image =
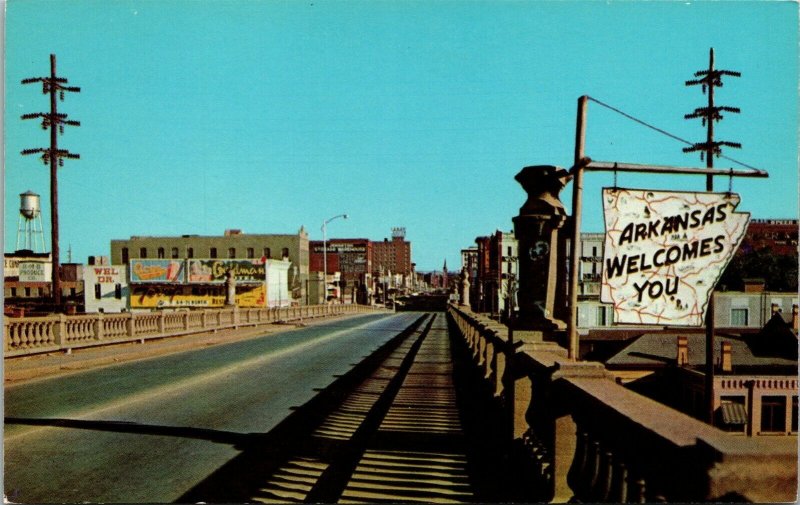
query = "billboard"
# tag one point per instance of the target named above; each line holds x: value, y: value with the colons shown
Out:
x: 151, y: 297
x: 665, y: 251
x: 157, y: 270
x: 212, y: 271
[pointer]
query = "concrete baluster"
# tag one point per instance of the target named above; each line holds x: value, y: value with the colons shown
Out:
x: 637, y: 491
x: 185, y: 316
x: 589, y: 477
x: 619, y: 483
x: 490, y: 361
x: 499, y: 371
x: 161, y: 323
x: 602, y: 486
x: 36, y: 334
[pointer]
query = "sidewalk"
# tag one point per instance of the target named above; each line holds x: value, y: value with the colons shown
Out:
x: 58, y: 363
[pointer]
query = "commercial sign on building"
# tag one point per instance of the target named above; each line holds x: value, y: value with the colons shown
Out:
x: 665, y: 251
x: 34, y: 271
x: 341, y: 247
x: 151, y: 297
x: 157, y: 270
x: 213, y: 271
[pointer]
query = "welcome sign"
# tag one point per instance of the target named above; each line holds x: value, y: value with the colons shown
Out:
x: 665, y: 251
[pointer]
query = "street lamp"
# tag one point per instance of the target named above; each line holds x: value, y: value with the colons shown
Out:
x: 325, y: 253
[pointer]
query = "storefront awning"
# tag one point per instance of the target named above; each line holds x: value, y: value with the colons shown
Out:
x: 733, y: 413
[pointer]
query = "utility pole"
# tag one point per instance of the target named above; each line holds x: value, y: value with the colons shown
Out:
x: 54, y: 156
x: 710, y: 78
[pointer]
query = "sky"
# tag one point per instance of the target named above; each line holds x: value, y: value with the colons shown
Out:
x: 265, y: 116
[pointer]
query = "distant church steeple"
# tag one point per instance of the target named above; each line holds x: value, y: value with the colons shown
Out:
x: 444, y: 274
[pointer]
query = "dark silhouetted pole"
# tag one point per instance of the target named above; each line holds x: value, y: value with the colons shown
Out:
x: 711, y: 78
x: 54, y: 156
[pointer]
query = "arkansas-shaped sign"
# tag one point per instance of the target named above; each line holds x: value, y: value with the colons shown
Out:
x: 665, y: 251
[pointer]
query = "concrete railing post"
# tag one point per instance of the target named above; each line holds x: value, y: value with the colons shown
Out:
x: 60, y: 331
x: 99, y: 330
x: 185, y: 317
x: 161, y: 323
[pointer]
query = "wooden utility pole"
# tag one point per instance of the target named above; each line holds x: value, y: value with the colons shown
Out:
x: 54, y: 156
x: 577, y: 206
x: 710, y: 79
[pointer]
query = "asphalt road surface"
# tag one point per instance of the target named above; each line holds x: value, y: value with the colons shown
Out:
x: 148, y: 431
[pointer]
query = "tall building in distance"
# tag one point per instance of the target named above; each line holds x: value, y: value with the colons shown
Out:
x: 392, y: 255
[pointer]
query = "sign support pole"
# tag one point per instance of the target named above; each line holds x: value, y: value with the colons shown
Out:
x: 577, y: 207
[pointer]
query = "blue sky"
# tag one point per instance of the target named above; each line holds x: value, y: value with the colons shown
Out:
x: 199, y: 116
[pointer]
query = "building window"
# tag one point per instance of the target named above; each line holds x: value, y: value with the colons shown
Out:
x: 251, y: 253
x: 285, y: 253
x: 13, y: 291
x: 739, y: 317
x: 28, y: 292
x: 142, y: 252
x: 160, y: 252
x: 267, y: 253
x: 174, y: 252
x: 794, y: 413
x: 97, y: 292
x: 231, y: 252
x: 71, y: 291
x: 118, y: 291
x: 773, y: 414
x: 213, y: 252
x: 190, y: 252
x: 124, y: 255
x: 601, y: 316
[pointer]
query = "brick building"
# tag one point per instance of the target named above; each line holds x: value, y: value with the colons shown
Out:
x: 778, y: 235
x: 392, y: 255
x: 352, y: 258
x: 234, y: 244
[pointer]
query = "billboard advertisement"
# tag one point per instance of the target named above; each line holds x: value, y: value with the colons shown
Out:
x: 157, y: 270
x: 665, y: 251
x: 212, y: 271
x: 151, y: 297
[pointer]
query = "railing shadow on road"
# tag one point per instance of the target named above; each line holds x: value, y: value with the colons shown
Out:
x: 217, y: 436
x: 240, y: 479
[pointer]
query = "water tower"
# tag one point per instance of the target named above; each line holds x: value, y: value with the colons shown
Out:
x: 30, y: 231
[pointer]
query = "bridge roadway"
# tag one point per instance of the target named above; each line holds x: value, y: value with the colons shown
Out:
x: 222, y: 424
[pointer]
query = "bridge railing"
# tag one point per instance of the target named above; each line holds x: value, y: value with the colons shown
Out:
x: 33, y: 335
x: 578, y: 434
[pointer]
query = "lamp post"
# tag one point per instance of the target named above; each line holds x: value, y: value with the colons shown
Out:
x: 325, y: 254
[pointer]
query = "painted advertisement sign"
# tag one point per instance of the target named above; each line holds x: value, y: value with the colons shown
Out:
x: 150, y: 297
x: 213, y: 271
x: 34, y: 271
x: 665, y: 251
x: 157, y: 270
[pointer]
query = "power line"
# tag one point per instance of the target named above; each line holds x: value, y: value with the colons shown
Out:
x: 663, y: 132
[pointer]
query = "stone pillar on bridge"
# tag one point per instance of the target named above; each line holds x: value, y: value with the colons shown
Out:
x: 537, y: 228
x: 230, y: 289
x: 465, y: 285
